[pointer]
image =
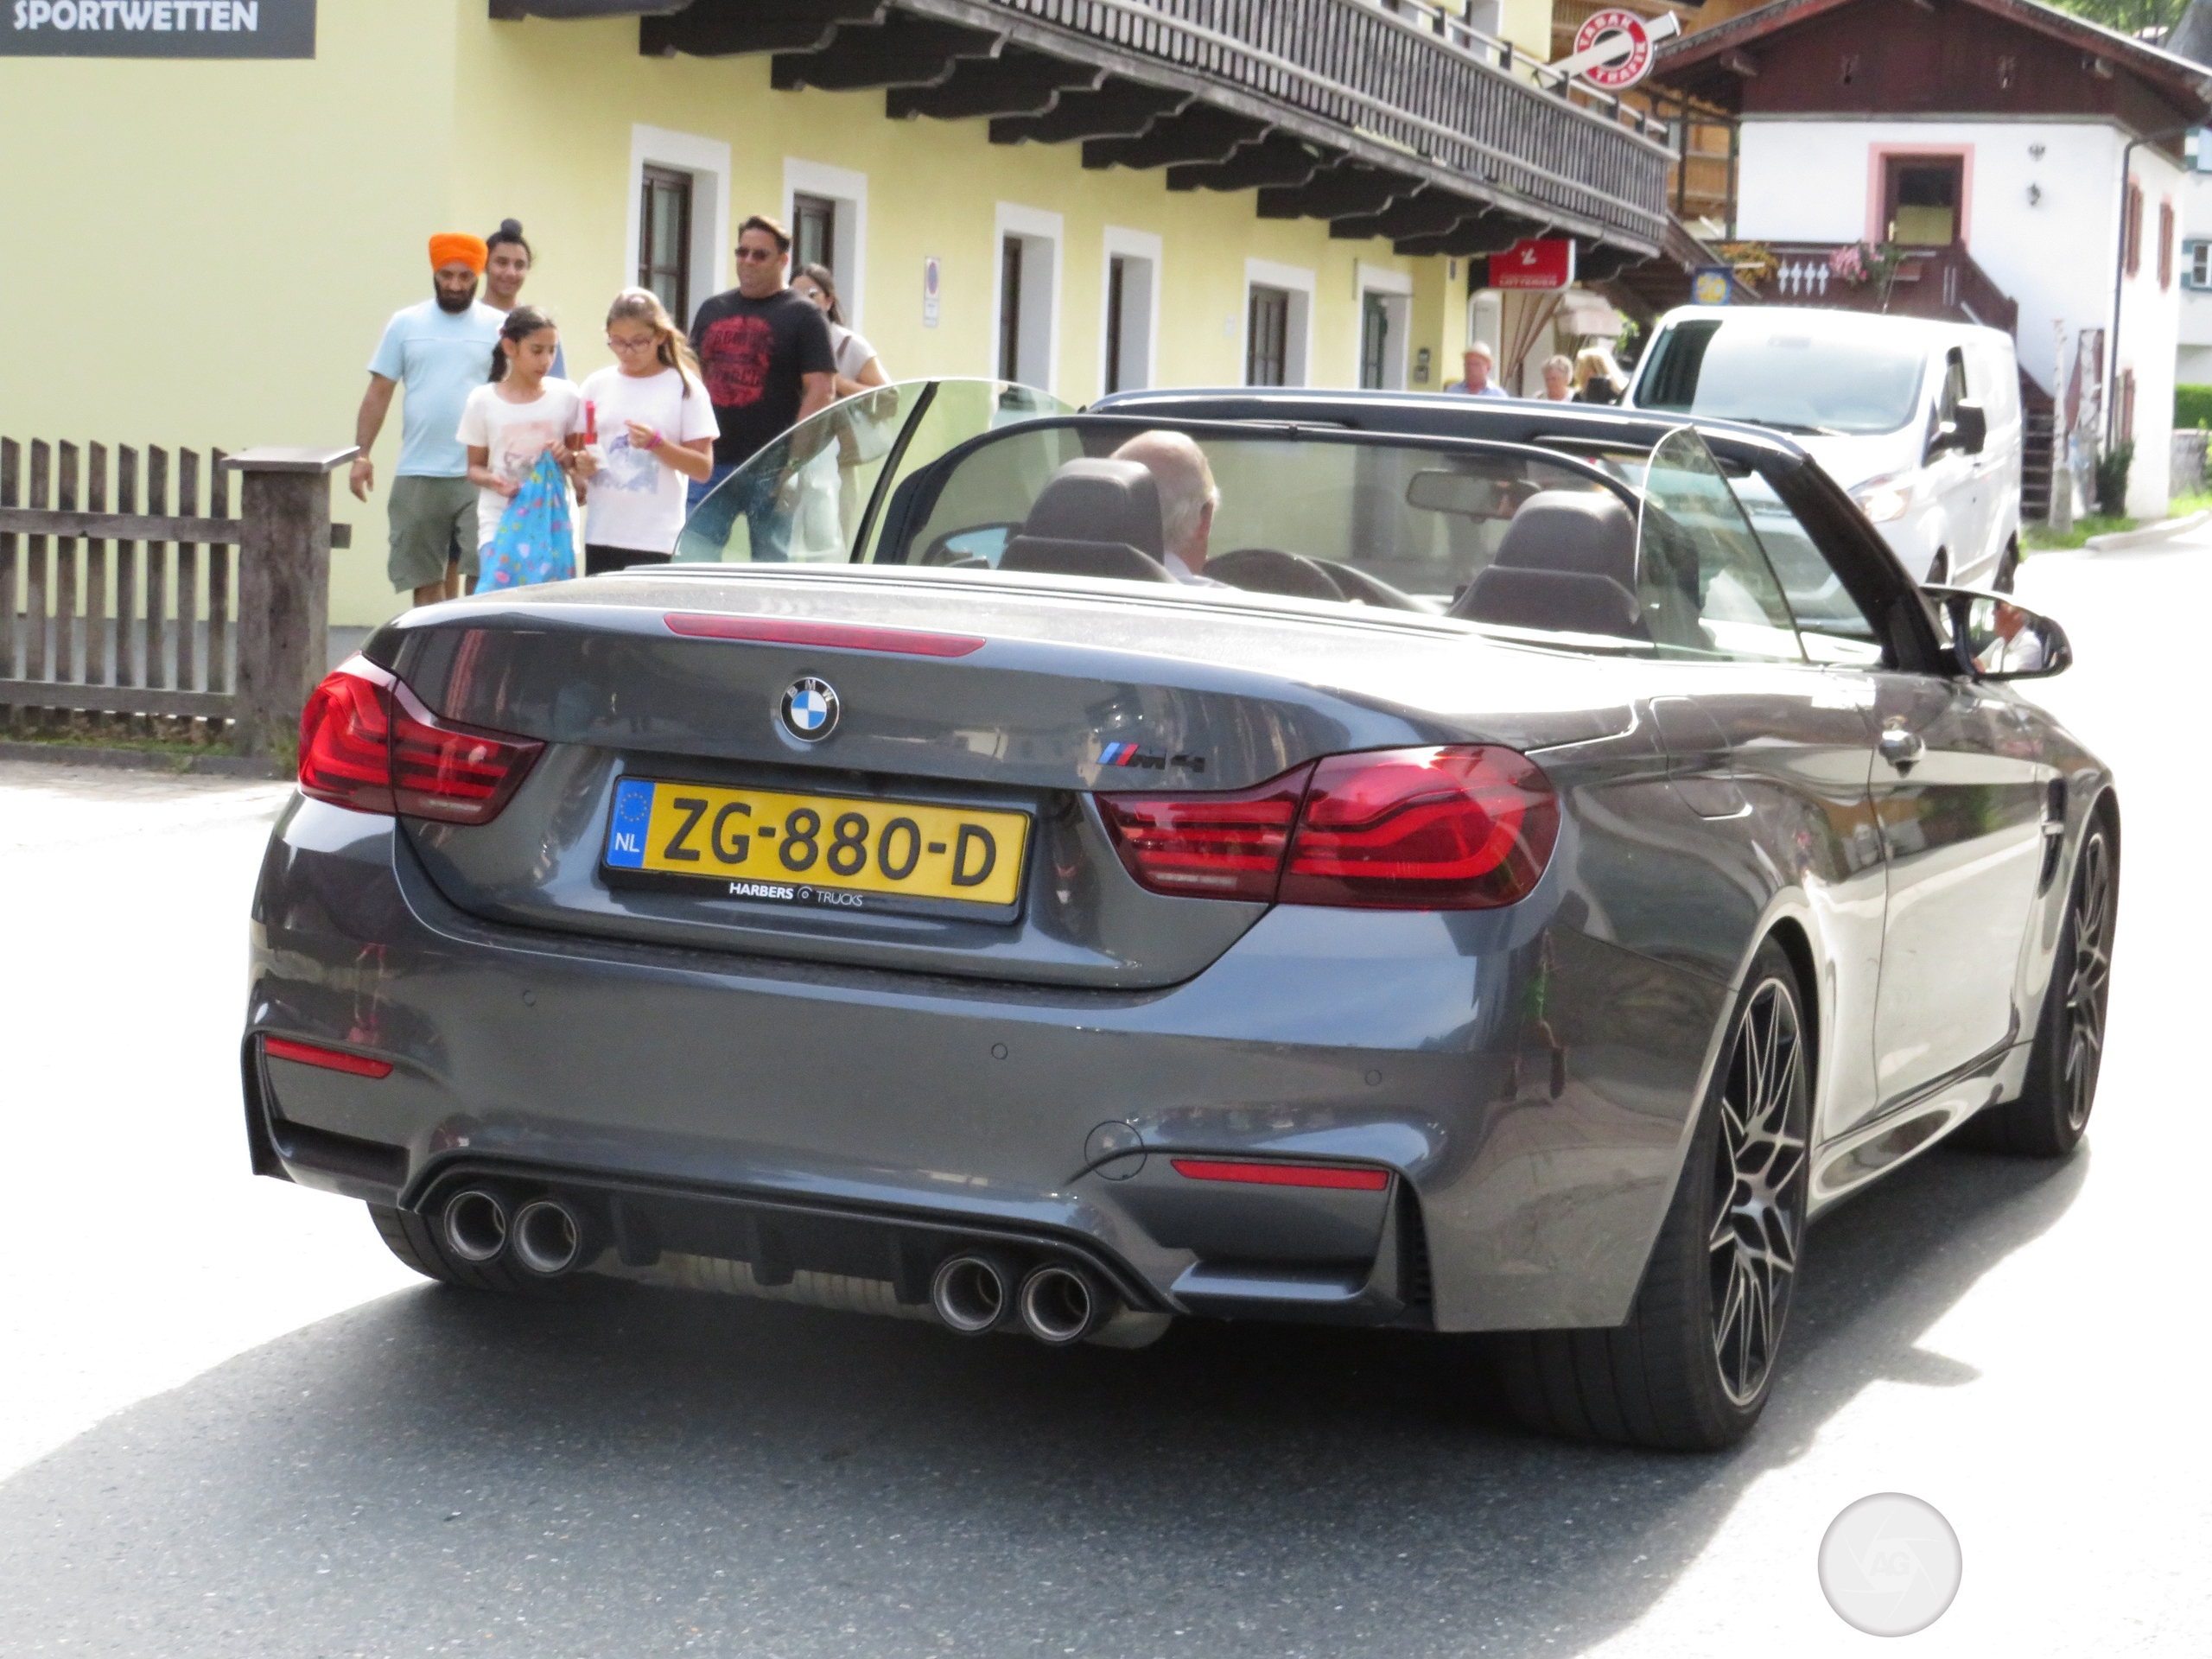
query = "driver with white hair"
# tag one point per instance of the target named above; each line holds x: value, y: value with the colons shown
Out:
x: 1188, y: 497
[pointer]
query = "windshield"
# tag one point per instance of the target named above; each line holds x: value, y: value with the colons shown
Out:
x: 1773, y: 373
x: 807, y: 496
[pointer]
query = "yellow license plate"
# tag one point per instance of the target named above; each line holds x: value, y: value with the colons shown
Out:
x: 767, y: 844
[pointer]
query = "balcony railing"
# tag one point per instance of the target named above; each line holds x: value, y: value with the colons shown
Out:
x: 1416, y: 79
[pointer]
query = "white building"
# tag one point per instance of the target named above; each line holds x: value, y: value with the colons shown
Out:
x: 2030, y: 162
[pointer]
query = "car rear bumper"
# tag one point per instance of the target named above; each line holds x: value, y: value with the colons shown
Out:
x: 1524, y: 1087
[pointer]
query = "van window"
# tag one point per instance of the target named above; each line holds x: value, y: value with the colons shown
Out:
x: 1776, y: 373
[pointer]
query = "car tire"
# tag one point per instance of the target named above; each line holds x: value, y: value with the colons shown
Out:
x: 2008, y: 568
x: 2061, y: 1088
x: 415, y: 1240
x: 1692, y: 1368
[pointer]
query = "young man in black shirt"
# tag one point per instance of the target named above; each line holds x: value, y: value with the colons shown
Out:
x: 765, y: 353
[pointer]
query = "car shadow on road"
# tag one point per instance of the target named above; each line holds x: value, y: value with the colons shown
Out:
x: 634, y: 1470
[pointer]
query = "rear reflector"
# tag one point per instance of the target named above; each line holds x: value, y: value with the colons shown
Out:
x: 1336, y: 1175
x: 837, y: 636
x: 1226, y: 846
x: 1468, y: 828
x: 330, y: 1060
x: 367, y: 742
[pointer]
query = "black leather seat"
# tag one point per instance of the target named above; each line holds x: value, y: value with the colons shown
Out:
x: 1093, y: 519
x: 1567, y: 564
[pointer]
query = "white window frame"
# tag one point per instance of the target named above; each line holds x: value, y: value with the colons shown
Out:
x: 1131, y: 244
x: 848, y: 190
x: 1397, y: 288
x: 1298, y: 334
x: 708, y: 162
x: 1041, y: 233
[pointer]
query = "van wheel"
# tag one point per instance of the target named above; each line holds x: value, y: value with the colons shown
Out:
x: 2008, y: 568
x: 1691, y: 1369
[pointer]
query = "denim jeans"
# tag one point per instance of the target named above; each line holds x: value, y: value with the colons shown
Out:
x: 769, y: 529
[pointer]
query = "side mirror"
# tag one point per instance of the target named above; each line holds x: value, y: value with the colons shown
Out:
x: 1995, y: 639
x: 1967, y: 431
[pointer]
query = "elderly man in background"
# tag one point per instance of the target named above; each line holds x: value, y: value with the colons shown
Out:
x: 441, y: 351
x: 1188, y: 497
x: 1480, y: 367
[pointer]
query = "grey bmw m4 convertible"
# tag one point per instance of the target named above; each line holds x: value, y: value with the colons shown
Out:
x: 1373, y: 859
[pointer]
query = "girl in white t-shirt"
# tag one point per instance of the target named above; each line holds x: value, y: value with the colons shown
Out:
x: 655, y: 427
x: 522, y: 412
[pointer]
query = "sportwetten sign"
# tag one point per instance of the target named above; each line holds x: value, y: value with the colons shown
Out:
x: 157, y: 29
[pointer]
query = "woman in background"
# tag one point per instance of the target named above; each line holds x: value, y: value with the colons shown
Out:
x: 1596, y: 379
x: 858, y: 367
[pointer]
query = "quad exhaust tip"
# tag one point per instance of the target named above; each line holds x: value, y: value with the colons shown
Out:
x: 972, y: 1292
x: 1061, y: 1303
x: 476, y: 1224
x: 547, y: 1238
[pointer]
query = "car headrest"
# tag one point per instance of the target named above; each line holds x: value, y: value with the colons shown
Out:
x: 1585, y: 531
x: 1571, y: 601
x: 1099, y: 501
x: 1053, y: 555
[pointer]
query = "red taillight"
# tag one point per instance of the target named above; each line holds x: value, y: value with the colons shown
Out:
x: 1347, y: 1178
x: 1467, y: 828
x: 1225, y: 846
x: 330, y: 1060
x: 367, y: 742
x: 1456, y: 828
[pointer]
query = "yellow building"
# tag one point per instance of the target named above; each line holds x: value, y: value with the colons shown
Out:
x: 200, y: 249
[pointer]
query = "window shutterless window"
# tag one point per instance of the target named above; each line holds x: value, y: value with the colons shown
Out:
x: 1010, y: 308
x: 814, y: 231
x: 665, y: 240
x: 2200, y: 265
x: 1267, y: 336
x: 1374, y: 340
x: 1117, y: 280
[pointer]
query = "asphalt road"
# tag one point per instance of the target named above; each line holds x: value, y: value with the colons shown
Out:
x: 231, y: 1425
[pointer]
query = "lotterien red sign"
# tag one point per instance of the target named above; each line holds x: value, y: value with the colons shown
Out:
x: 1541, y: 262
x: 157, y: 29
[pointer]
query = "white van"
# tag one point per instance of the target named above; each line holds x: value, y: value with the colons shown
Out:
x: 1919, y: 421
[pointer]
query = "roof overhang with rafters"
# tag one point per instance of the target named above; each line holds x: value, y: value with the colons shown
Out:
x: 1392, y: 121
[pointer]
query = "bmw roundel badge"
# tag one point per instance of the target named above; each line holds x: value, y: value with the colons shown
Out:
x: 810, y: 710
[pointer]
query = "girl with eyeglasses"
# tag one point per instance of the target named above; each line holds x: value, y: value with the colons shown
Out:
x: 656, y: 431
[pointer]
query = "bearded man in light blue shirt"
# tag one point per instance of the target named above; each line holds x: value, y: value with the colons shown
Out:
x: 441, y: 351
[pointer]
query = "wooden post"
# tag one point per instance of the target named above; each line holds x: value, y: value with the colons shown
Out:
x: 284, y: 589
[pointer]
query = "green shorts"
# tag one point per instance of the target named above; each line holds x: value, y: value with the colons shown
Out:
x: 433, y: 520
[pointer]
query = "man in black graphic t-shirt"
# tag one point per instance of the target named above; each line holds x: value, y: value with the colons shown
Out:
x: 765, y: 354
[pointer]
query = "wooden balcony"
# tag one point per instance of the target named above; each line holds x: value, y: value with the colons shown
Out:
x: 1943, y: 283
x: 1386, y: 117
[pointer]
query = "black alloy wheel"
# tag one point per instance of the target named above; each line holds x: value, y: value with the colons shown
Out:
x: 1693, y: 1366
x: 2061, y: 1088
x: 1759, y: 1179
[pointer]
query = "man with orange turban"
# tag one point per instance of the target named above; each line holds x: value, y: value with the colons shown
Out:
x: 441, y: 351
